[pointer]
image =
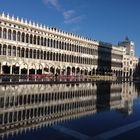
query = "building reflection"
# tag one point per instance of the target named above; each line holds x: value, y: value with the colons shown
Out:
x: 26, y: 107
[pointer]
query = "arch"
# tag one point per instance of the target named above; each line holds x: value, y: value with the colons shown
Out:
x: 32, y: 69
x: 58, y: 70
x: 6, y: 68
x: 34, y: 54
x: 27, y: 53
x: 15, y: 68
x: 9, y: 50
x: 45, y: 42
x: 4, y: 49
x: 0, y: 32
x: 34, y: 39
x: 31, y: 39
x: 41, y: 54
x: 60, y: 57
x: 9, y: 34
x: 30, y: 53
x: 56, y: 56
x: 14, y: 35
x: 46, y: 69
x: 14, y: 50
x: 18, y: 52
x: 23, y: 37
x: 48, y: 42
x: 77, y: 70
x: 27, y: 38
x: 54, y: 59
x: 52, y: 69
x: 45, y: 54
x: 38, y: 54
x: 42, y: 41
x: 38, y: 40
x: 51, y: 55
x: 22, y: 52
x: 24, y: 68
x: 5, y: 33
x: 39, y: 70
x: 68, y: 70
x: 48, y: 56
x: 18, y: 36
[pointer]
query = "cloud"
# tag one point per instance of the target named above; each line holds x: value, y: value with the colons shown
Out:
x: 74, y: 19
x: 53, y: 3
x: 68, y: 15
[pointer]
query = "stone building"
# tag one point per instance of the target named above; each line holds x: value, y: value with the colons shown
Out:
x: 130, y: 61
x: 30, y: 48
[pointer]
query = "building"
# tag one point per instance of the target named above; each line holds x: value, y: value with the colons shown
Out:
x: 130, y: 61
x: 30, y: 48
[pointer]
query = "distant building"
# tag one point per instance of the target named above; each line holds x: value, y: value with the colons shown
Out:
x: 130, y: 61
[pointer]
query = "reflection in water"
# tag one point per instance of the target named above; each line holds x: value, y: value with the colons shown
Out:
x: 25, y: 107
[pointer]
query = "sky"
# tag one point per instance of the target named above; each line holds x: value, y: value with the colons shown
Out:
x: 104, y: 20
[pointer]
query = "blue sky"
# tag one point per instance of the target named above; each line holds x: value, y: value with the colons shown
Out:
x: 107, y: 20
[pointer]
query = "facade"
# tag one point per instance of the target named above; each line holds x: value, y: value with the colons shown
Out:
x: 130, y: 61
x: 30, y: 48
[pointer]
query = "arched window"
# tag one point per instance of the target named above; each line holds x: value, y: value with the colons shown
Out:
x: 23, y: 37
x: 44, y: 55
x: 57, y: 57
x: 34, y: 53
x: 9, y: 34
x: 41, y: 54
x: 4, y: 33
x: 57, y: 44
x: 0, y: 49
x: 54, y: 44
x: 31, y: 39
x: 48, y: 42
x: 41, y: 41
x: 27, y: 52
x: 53, y: 56
x: 35, y: 40
x: 14, y: 35
x: 48, y: 56
x: 60, y: 45
x: 18, y: 36
x: 38, y: 53
x: 51, y: 43
x: 65, y: 46
x: 4, y: 49
x: 18, y: 52
x: 27, y: 38
x: 0, y: 32
x: 30, y: 53
x: 14, y: 51
x: 9, y: 50
x: 38, y: 40
x: 45, y: 41
x: 22, y: 52
x: 60, y: 57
